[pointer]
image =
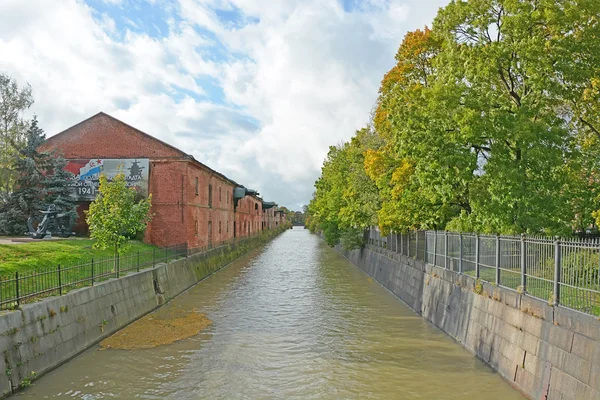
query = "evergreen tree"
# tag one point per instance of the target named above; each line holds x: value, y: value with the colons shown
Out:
x: 29, y: 189
x: 57, y: 188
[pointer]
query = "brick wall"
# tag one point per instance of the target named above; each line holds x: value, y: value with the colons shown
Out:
x: 179, y: 185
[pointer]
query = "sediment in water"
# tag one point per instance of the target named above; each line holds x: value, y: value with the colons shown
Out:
x: 154, y: 330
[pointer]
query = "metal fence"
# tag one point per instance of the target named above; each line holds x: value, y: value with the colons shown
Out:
x: 564, y: 272
x: 24, y: 287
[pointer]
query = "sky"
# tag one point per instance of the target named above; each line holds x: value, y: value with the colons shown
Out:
x: 256, y: 89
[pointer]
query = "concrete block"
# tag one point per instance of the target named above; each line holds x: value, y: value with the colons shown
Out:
x: 534, y: 365
x: 590, y: 394
x: 554, y: 395
x: 558, y: 336
x: 528, y: 382
x: 537, y: 308
x: 553, y: 354
x: 577, y: 368
x: 595, y: 377
x: 505, y: 366
x: 508, y: 350
x: 33, y: 312
x: 529, y: 343
x: 534, y: 326
x: 9, y: 320
x: 581, y: 323
x: 586, y: 348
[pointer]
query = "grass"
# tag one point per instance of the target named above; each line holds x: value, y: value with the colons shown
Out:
x: 55, y: 268
x: 30, y: 257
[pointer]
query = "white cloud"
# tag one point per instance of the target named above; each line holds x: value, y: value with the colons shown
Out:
x: 297, y: 77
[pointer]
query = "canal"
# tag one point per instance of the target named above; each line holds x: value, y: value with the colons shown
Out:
x: 292, y: 320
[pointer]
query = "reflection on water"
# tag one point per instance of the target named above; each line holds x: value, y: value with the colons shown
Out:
x: 293, y: 320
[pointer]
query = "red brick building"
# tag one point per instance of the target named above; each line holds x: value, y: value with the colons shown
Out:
x: 191, y: 203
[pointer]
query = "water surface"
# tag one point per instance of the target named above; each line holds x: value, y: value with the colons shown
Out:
x: 293, y: 320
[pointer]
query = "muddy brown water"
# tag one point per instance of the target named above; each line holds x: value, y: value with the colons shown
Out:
x: 292, y: 320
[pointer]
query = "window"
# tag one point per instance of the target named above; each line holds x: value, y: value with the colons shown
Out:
x: 219, y: 226
x: 219, y: 194
x: 227, y: 195
x: 256, y: 207
x: 196, y: 226
x: 197, y: 186
x: 227, y: 226
x: 210, y: 196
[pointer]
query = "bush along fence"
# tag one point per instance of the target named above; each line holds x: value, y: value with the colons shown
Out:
x: 27, y: 287
x: 564, y: 272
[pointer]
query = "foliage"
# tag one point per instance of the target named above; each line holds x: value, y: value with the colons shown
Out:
x: 39, y: 180
x: 13, y: 127
x: 115, y: 216
x: 57, y: 188
x: 29, y: 185
x: 488, y: 122
x: 345, y: 200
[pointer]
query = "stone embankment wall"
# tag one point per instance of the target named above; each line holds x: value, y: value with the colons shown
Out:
x: 41, y: 336
x: 543, y: 351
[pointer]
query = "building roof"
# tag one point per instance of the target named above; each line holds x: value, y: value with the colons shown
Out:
x: 181, y: 154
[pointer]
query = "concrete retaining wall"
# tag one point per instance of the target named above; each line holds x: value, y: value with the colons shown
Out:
x: 543, y: 351
x: 41, y: 336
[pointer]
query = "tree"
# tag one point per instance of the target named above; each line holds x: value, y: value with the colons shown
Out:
x: 346, y: 200
x: 57, y: 189
x: 489, y: 122
x: 115, y: 216
x: 29, y: 186
x: 13, y: 128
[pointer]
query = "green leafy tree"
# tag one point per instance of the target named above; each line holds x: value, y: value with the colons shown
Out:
x: 489, y: 121
x: 346, y: 200
x: 115, y: 216
x: 14, y: 101
x: 27, y: 198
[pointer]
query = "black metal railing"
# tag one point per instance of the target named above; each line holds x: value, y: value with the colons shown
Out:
x: 563, y: 272
x: 25, y: 287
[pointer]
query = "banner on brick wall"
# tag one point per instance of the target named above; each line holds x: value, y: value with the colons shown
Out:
x: 86, y: 175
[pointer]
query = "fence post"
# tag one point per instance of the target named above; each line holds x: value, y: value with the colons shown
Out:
x: 401, y: 243
x: 92, y: 271
x: 408, y: 244
x: 523, y: 264
x: 557, y: 262
x: 477, y: 256
x: 497, y: 260
x: 445, y: 249
x: 425, y: 247
x: 166, y: 255
x: 460, y: 253
x: 118, y: 269
x: 416, y: 244
x: 153, y: 256
x: 434, y: 247
x: 59, y: 281
x: 138, y: 261
x: 17, y: 287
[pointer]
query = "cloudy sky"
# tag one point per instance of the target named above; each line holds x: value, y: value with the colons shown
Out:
x: 256, y: 89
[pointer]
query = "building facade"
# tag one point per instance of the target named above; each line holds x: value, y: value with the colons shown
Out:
x: 191, y: 203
